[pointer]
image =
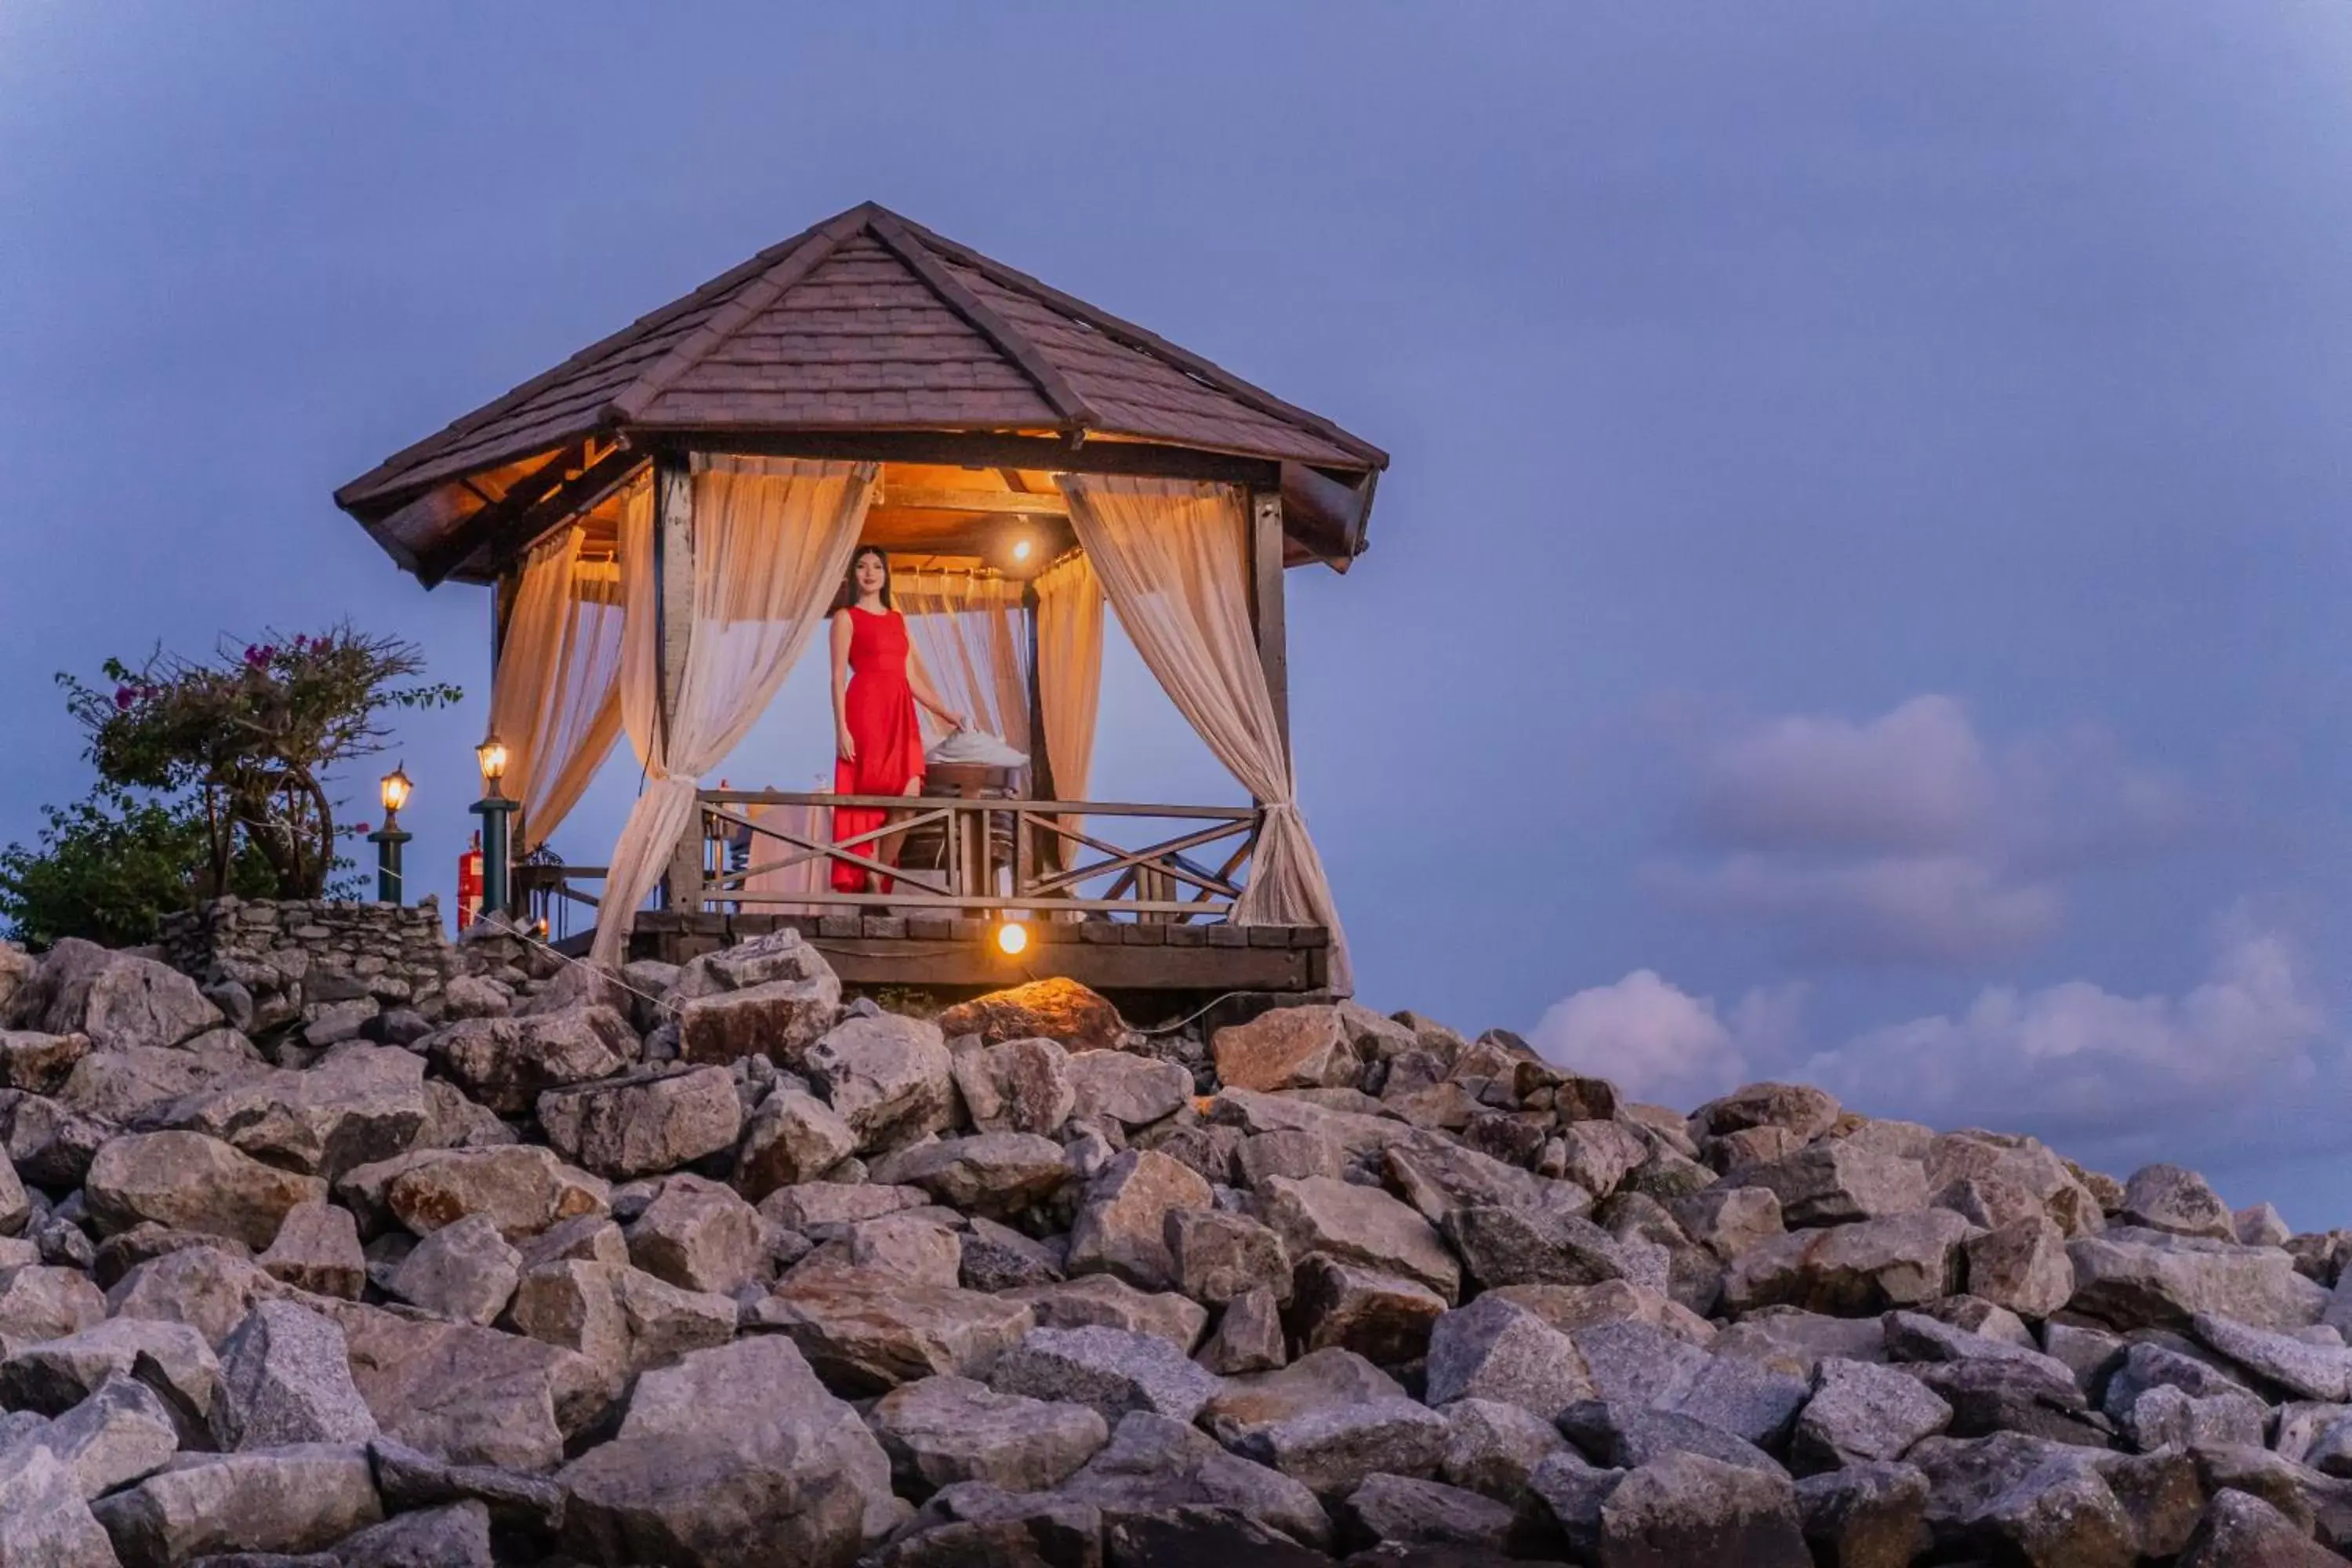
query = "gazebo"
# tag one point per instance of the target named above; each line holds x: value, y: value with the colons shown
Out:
x: 664, y: 517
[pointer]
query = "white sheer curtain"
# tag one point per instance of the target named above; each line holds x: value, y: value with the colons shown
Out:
x: 967, y: 628
x: 1173, y: 556
x: 1070, y: 673
x: 556, y: 699
x: 772, y: 540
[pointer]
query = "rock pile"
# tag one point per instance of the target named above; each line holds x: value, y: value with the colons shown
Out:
x: 700, y: 1267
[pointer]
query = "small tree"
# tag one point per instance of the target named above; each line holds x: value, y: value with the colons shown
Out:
x: 110, y: 867
x: 249, y: 738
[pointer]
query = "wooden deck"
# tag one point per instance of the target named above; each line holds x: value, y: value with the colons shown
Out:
x: 956, y: 955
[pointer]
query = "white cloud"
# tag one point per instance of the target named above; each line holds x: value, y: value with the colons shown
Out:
x: 1905, y: 839
x: 1658, y: 1043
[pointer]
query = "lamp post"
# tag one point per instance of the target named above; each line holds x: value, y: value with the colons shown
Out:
x: 493, y: 808
x: 388, y: 838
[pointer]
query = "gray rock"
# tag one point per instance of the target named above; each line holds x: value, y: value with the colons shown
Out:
x: 1494, y: 1348
x: 2089, y: 1354
x: 1625, y: 1436
x: 1358, y: 1225
x: 993, y: 1257
x: 1867, y: 1515
x: 408, y: 1479
x: 1597, y: 1155
x: 1727, y: 1221
x: 288, y: 1499
x: 943, y: 1430
x: 1746, y: 1398
x: 357, y: 1104
x: 1401, y: 1510
x: 732, y: 1457
x: 772, y: 996
x: 1108, y: 1369
x: 645, y: 1123
x: 972, y: 1522
x: 1122, y: 1221
x: 1155, y: 1463
x: 1296, y: 1152
x: 464, y: 1271
x: 1863, y: 1267
x: 915, y: 1246
x: 49, y: 1142
x: 1516, y: 1247
x: 2132, y: 1277
x: 2023, y: 1498
x: 1099, y: 1301
x: 122, y: 1433
x: 1215, y: 1257
x: 1916, y: 1337
x: 54, y: 1376
x: 1288, y: 1048
x: 1385, y: 1317
x: 118, y: 1000
x: 997, y: 1174
x: 2260, y: 1225
x: 37, y: 1062
x: 792, y: 1137
x: 39, y: 1302
x: 209, y: 1289
x: 1636, y: 1363
x: 1861, y: 1414
x: 454, y: 1535
x: 1801, y: 1107
x: 507, y: 1063
x: 317, y: 1249
x: 698, y: 1235
x: 466, y: 1394
x: 1330, y: 1449
x: 2169, y: 1198
x: 1573, y: 1491
x: 867, y: 1334
x: 814, y: 1204
x: 621, y: 1319
x: 1249, y: 1337
x: 889, y: 1078
x: 1437, y: 1175
x: 43, y: 1520
x: 1836, y: 1183
x: 192, y: 1182
x: 1684, y: 1506
x: 2165, y: 1415
x: 2313, y: 1371
x: 2239, y: 1528
x: 522, y: 1188
x: 1123, y: 1087
x: 1493, y: 1448
x: 2022, y: 1265
x: 1017, y: 1085
x: 286, y: 1378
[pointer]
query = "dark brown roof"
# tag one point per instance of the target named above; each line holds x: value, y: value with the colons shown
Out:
x: 868, y: 322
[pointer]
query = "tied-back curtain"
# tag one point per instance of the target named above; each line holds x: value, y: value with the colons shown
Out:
x: 1070, y: 673
x: 556, y: 700
x: 968, y: 628
x: 772, y: 538
x: 1175, y: 557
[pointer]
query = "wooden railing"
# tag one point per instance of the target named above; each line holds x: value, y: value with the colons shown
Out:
x: 956, y: 854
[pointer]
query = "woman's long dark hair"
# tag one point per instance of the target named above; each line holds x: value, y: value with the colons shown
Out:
x: 847, y: 595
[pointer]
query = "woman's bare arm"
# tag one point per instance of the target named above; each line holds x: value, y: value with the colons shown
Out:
x: 844, y: 744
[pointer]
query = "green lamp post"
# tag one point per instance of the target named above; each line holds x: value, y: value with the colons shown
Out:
x: 388, y: 838
x: 494, y: 808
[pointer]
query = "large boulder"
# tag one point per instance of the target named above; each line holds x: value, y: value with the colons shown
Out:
x: 357, y: 1104
x: 1105, y: 1300
x: 1801, y: 1109
x: 1358, y: 1225
x: 643, y: 1123
x: 865, y: 1335
x: 290, y: 1500
x: 699, y: 1235
x: 1502, y: 1245
x: 1347, y: 1305
x: 772, y: 996
x: 1330, y: 1449
x: 37, y: 1062
x: 1867, y: 1265
x: 523, y: 1189
x: 1865, y: 1516
x: 465, y: 1272
x: 1860, y: 1412
x: 734, y: 1457
x: 507, y: 1063
x: 1215, y: 1256
x: 2169, y: 1198
x: 43, y: 1520
x: 121, y: 1433
x: 995, y: 1174
x: 317, y: 1249
x: 1686, y: 1508
x: 1110, y: 1370
x: 792, y: 1137
x: 2024, y: 1499
x: 118, y: 999
x: 1290, y: 1048
x: 1017, y: 1085
x: 1495, y: 1349
x: 57, y: 1374
x: 206, y: 1287
x: 1122, y: 1222
x: 192, y: 1182
x: 943, y: 1430
x: 2021, y: 1266
x: 469, y: 1395
x: 1836, y: 1181
x: 286, y: 1377
x: 1127, y: 1089
x: 1055, y: 1009
x: 2133, y: 1278
x: 890, y: 1078
x: 1155, y: 1463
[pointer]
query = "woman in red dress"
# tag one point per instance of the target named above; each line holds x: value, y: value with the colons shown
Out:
x: 877, y: 681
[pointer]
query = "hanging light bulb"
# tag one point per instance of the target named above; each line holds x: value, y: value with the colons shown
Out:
x: 1013, y: 939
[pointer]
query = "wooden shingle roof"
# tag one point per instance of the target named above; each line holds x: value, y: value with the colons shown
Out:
x: 866, y: 323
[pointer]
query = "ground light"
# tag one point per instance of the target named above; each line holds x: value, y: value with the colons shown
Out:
x: 1012, y: 939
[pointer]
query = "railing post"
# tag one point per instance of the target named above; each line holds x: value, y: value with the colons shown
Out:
x: 673, y: 533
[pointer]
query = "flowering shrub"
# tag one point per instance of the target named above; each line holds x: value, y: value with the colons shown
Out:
x: 248, y: 738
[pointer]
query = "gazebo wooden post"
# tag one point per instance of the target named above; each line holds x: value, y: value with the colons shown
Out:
x: 673, y: 533
x: 1265, y: 607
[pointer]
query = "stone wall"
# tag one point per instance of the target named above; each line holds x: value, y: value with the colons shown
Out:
x: 273, y: 965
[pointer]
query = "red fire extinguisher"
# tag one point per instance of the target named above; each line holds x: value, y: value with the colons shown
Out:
x: 469, y: 884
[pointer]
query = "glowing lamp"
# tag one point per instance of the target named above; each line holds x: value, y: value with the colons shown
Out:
x: 1021, y: 548
x: 492, y: 754
x: 393, y: 791
x: 1013, y: 939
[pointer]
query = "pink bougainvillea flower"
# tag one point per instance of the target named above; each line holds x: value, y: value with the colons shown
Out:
x: 124, y: 697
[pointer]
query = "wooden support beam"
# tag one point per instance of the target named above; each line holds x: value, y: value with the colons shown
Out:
x: 1266, y: 607
x: 674, y: 601
x: 504, y: 541
x: 991, y: 501
x: 436, y: 563
x: 951, y: 449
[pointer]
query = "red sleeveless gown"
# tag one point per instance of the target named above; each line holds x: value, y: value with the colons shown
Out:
x: 879, y: 708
